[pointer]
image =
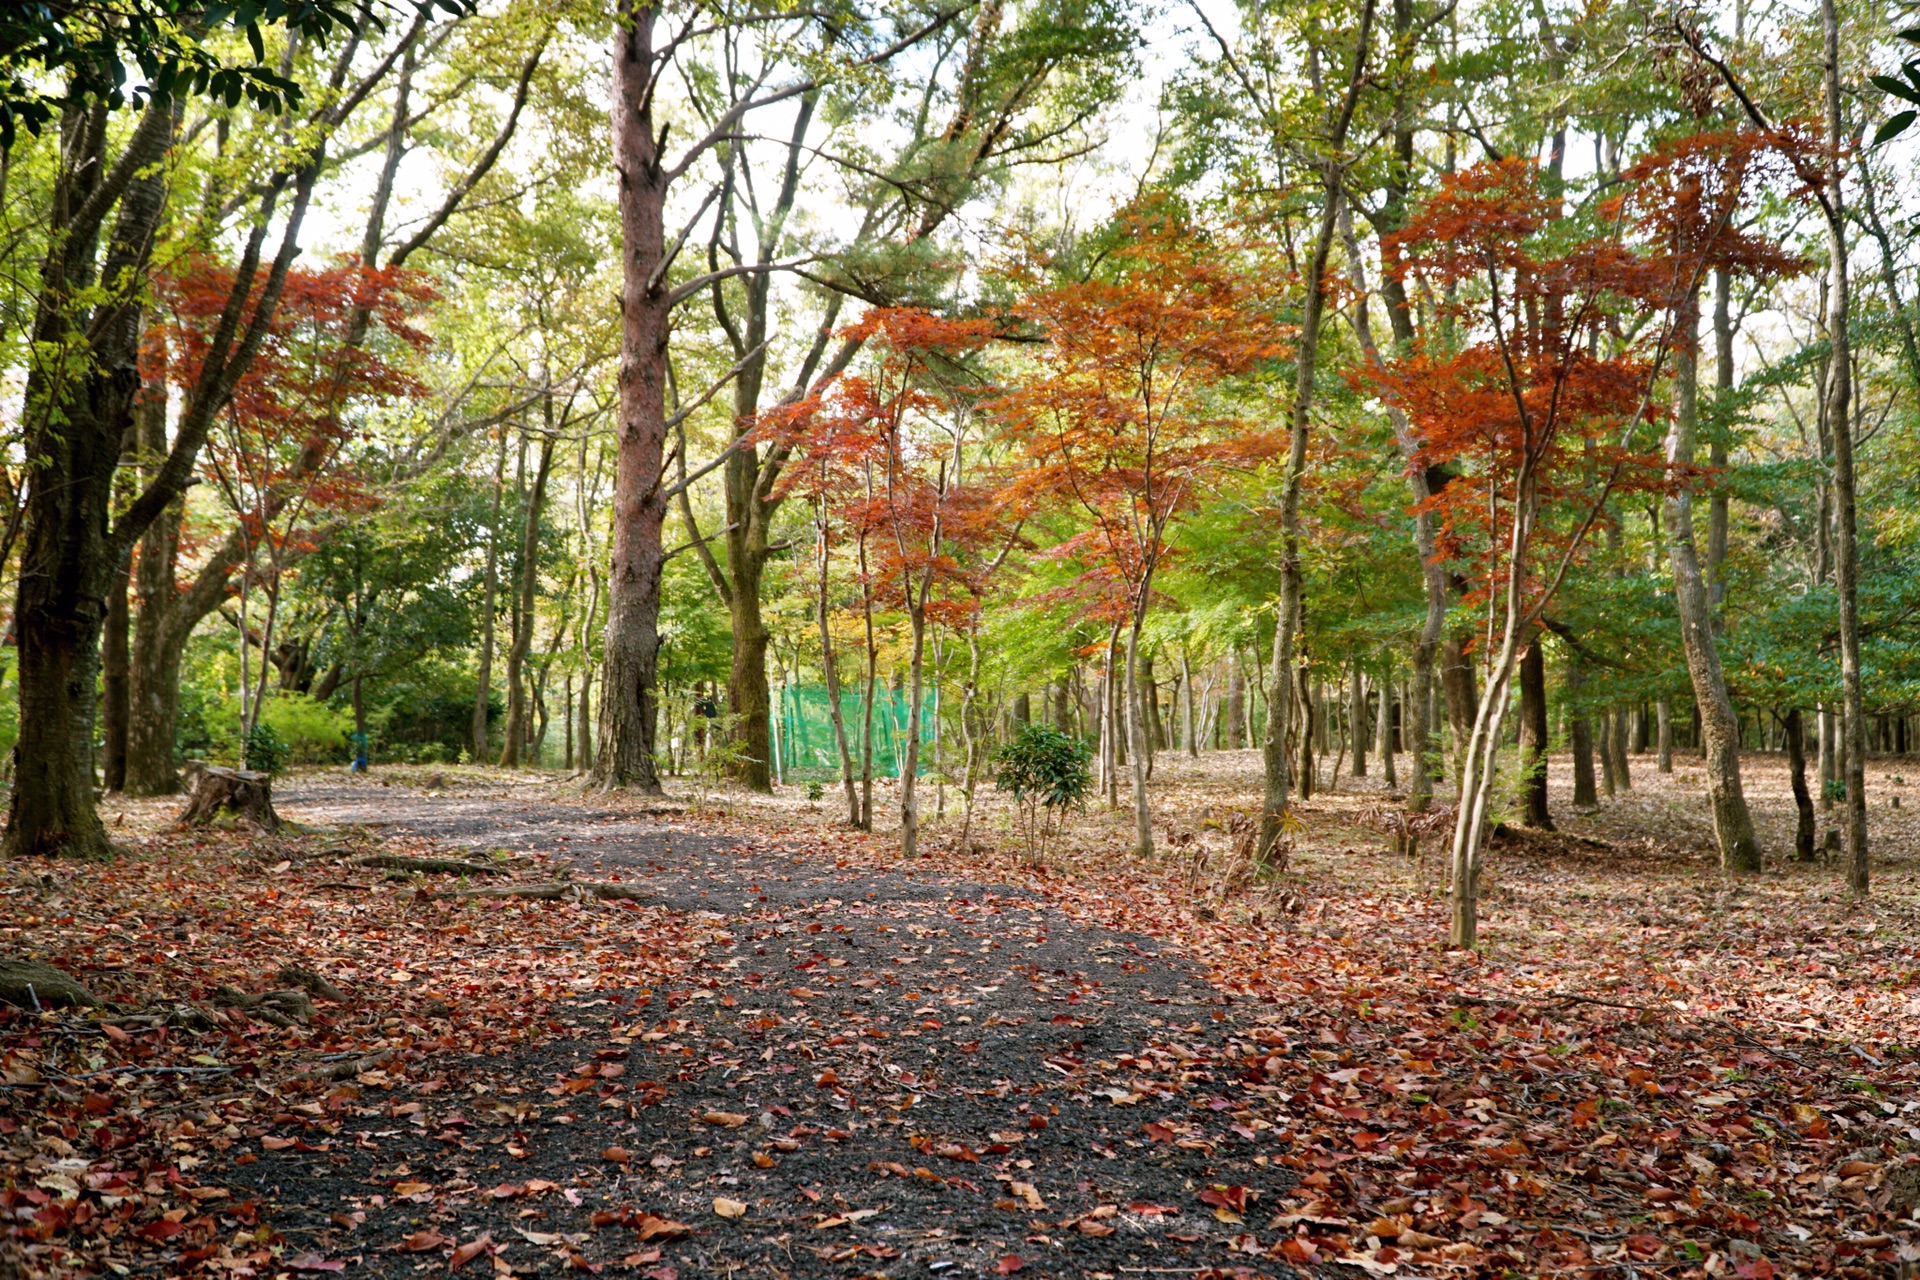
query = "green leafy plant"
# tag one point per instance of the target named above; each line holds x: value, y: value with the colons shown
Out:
x: 266, y: 751
x: 1046, y: 773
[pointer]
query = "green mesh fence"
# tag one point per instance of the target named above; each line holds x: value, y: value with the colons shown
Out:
x: 803, y: 727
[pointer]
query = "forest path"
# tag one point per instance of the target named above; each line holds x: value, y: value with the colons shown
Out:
x: 891, y: 1074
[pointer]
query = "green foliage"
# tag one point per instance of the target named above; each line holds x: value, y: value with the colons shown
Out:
x: 1046, y: 772
x: 307, y: 732
x: 265, y: 751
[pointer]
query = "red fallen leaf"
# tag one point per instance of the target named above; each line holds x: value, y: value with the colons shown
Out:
x: 470, y: 1250
x: 272, y: 1143
x: 1036, y: 1122
x: 1145, y: 1210
x: 421, y: 1241
x: 1008, y: 1265
x: 955, y: 1151
x: 1222, y: 1197
x: 1647, y: 1245
x: 663, y: 1273
x: 1758, y: 1269
x: 619, y: 1155
x: 641, y: 1258
x: 826, y: 1078
x: 1157, y: 1131
x: 508, y: 1190
x: 162, y: 1229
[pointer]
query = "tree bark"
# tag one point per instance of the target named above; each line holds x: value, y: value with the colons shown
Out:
x: 527, y: 590
x: 1732, y: 823
x: 1803, y: 850
x: 1839, y: 401
x: 489, y: 612
x: 1664, y: 712
x: 1357, y: 722
x: 629, y: 699
x: 1533, y: 735
x: 1383, y: 732
x: 1580, y: 734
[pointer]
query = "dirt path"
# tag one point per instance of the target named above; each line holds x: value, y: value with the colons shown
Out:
x: 888, y: 1074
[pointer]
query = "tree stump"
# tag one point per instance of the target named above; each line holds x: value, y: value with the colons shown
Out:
x: 242, y: 792
x: 28, y: 984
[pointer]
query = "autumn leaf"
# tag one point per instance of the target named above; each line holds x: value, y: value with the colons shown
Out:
x: 469, y: 1251
x: 422, y: 1241
x: 1008, y: 1265
x: 729, y: 1208
x: 724, y: 1119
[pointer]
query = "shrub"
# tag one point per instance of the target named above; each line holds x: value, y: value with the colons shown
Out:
x: 265, y: 752
x: 1046, y: 772
x: 310, y: 732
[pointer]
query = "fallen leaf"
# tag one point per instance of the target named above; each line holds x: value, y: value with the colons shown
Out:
x: 725, y: 1119
x: 421, y: 1241
x: 618, y: 1155
x: 1008, y: 1265
x: 729, y: 1208
x: 470, y: 1250
x: 648, y: 1227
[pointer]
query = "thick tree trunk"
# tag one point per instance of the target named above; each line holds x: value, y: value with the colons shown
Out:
x: 629, y: 707
x: 1802, y: 798
x: 748, y: 696
x: 1732, y: 823
x: 78, y: 424
x: 153, y: 674
x: 1533, y: 736
x: 1617, y: 748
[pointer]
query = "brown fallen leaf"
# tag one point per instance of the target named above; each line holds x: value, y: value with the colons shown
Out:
x: 469, y: 1251
x: 618, y: 1155
x: 421, y: 1241
x: 725, y: 1119
x: 1029, y: 1195
x: 648, y: 1227
x: 729, y: 1208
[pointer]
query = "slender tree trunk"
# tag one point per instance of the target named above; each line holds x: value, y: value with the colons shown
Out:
x: 1383, y: 732
x: 1236, y: 702
x: 1136, y: 722
x: 1664, y: 713
x: 489, y: 610
x: 1717, y: 508
x: 910, y: 754
x: 866, y: 702
x: 1839, y: 406
x: 1312, y: 721
x: 1186, y: 705
x: 525, y: 596
x: 1617, y: 747
x: 1732, y: 823
x: 1580, y: 735
x: 1533, y: 735
x: 1803, y: 850
x: 115, y: 680
x: 1357, y: 721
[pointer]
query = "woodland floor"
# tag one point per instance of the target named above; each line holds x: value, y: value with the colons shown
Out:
x: 793, y: 1054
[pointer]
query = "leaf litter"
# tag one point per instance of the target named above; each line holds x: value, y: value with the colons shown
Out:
x: 817, y: 1060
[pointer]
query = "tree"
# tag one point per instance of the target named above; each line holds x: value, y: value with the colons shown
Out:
x: 1544, y: 423
x: 1120, y: 420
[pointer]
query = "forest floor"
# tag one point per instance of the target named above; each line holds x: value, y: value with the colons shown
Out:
x: 733, y: 1038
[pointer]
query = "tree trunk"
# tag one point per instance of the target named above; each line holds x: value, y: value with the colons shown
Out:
x: 1664, y: 712
x: 1732, y: 823
x: 489, y: 611
x: 1236, y: 702
x: 78, y: 427
x: 1383, y: 732
x: 1533, y: 736
x: 1136, y: 724
x: 629, y: 702
x: 1457, y: 684
x: 1839, y: 401
x: 1617, y: 748
x: 1580, y: 734
x: 1802, y: 798
x: 1357, y: 722
x: 245, y: 794
x: 910, y: 752
x: 528, y: 588
x: 115, y: 680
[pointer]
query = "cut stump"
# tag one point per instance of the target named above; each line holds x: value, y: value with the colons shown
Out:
x: 242, y: 792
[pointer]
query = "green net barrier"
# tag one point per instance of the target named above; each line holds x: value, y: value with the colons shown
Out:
x: 803, y: 725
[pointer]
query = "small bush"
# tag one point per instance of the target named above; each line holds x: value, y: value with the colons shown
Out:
x: 1046, y: 772
x: 265, y: 752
